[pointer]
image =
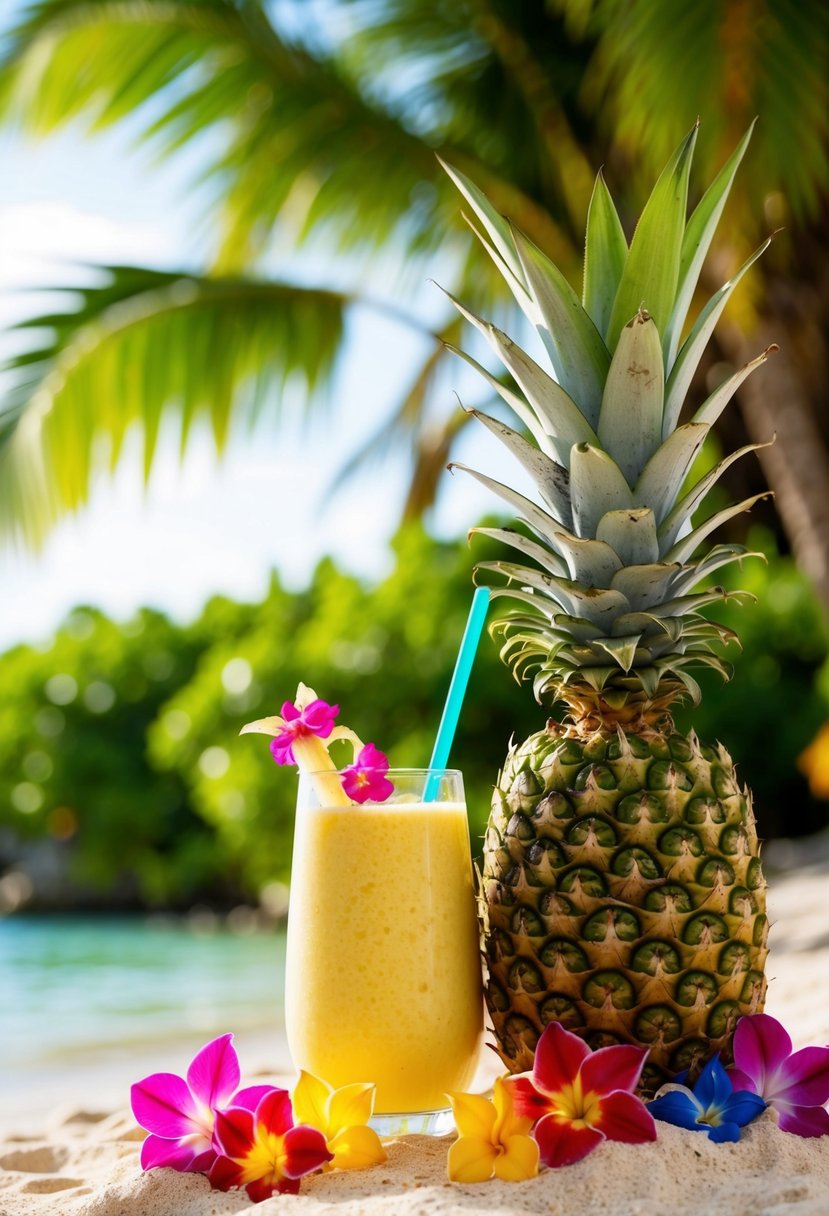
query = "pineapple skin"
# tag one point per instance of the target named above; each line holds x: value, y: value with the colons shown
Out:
x: 622, y: 895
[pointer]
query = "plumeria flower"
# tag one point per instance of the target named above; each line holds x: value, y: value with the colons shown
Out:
x: 578, y: 1098
x: 492, y: 1138
x: 712, y: 1106
x: 342, y: 1116
x: 180, y: 1113
x: 263, y: 1150
x: 796, y: 1083
x: 366, y: 778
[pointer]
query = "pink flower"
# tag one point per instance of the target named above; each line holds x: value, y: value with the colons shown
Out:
x: 796, y: 1083
x: 180, y: 1114
x: 316, y: 718
x: 366, y: 778
x: 263, y: 1151
x: 579, y: 1098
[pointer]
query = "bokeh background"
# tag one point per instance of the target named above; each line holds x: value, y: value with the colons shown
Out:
x: 226, y: 408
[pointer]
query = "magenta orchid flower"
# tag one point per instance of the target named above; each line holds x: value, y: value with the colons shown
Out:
x: 263, y: 1150
x: 180, y: 1113
x: 302, y: 722
x: 795, y: 1083
x: 366, y: 778
x: 578, y: 1098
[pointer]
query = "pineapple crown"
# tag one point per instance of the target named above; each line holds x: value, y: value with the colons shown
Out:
x: 608, y: 613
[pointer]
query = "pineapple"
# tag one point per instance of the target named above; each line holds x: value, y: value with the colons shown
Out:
x: 622, y: 891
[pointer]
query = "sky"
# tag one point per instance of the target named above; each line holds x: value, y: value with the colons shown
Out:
x: 201, y: 526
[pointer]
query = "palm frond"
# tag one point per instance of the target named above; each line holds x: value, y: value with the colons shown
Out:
x: 142, y: 344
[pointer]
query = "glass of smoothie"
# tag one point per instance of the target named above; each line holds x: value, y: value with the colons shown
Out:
x: 383, y: 976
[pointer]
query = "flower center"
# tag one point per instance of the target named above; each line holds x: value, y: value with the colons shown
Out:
x: 264, y: 1160
x: 572, y: 1105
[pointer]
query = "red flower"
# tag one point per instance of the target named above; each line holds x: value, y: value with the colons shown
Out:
x: 579, y: 1098
x: 263, y: 1151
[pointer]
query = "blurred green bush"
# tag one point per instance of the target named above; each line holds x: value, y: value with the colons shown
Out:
x: 123, y: 779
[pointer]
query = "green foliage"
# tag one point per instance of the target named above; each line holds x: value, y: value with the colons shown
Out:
x: 76, y: 791
x: 120, y: 759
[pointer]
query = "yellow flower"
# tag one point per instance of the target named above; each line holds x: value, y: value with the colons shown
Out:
x: 342, y: 1116
x: 814, y: 762
x: 492, y: 1139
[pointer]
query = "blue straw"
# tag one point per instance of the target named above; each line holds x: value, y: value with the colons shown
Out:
x: 457, y: 689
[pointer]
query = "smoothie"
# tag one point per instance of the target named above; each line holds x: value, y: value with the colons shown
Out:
x: 383, y: 977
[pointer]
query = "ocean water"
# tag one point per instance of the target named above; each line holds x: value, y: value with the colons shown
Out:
x: 89, y: 1004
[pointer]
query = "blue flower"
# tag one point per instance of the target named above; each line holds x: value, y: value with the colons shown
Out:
x: 712, y: 1106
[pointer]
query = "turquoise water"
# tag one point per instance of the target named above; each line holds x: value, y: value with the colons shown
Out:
x: 101, y: 997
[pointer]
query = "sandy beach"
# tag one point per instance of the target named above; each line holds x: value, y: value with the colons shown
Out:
x: 84, y: 1162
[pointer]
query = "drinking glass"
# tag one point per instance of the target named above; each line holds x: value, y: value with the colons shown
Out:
x: 383, y: 973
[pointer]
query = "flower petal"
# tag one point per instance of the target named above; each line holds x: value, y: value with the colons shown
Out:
x: 203, y: 1163
x: 612, y: 1068
x: 318, y: 717
x: 471, y: 1159
x: 214, y: 1073
x: 625, y: 1117
x: 234, y: 1131
x: 559, y: 1055
x: 251, y: 1096
x: 560, y: 1143
x: 474, y: 1116
x: 507, y: 1122
x: 803, y: 1079
x: 225, y: 1174
x: 739, y: 1079
x: 742, y: 1107
x: 761, y: 1046
x: 351, y: 1106
x: 166, y: 1154
x: 305, y: 1151
x: 805, y: 1121
x: 723, y: 1133
x: 681, y: 1109
x: 714, y: 1087
x: 275, y: 1113
x: 162, y: 1103
x: 356, y: 1148
x: 310, y: 1101
x: 518, y: 1161
x: 527, y: 1101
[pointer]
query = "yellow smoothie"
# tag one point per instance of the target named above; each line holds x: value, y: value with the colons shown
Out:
x: 383, y: 978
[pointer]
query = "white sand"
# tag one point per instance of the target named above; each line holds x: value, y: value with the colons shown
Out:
x: 86, y: 1163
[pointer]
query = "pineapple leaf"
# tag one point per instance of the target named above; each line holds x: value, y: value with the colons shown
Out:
x: 542, y: 524
x: 521, y: 408
x: 681, y: 551
x: 714, y: 405
x: 666, y: 469
x: 605, y: 251
x: 682, y: 372
x: 523, y: 544
x: 623, y: 650
x: 674, y: 522
x: 579, y: 356
x: 516, y: 286
x: 599, y: 607
x: 494, y: 224
x: 697, y: 240
x: 597, y: 486
x: 651, y: 270
x: 631, y: 534
x: 589, y: 561
x: 550, y: 478
x: 547, y: 398
x: 721, y: 555
x: 630, y: 422
x: 644, y: 586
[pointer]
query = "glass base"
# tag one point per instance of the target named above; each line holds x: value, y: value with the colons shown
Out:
x: 414, y: 1123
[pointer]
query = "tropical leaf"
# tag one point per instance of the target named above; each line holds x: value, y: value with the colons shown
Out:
x: 605, y: 252
x: 139, y: 344
x: 630, y: 422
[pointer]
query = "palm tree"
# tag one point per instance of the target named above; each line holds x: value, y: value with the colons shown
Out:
x: 327, y: 137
